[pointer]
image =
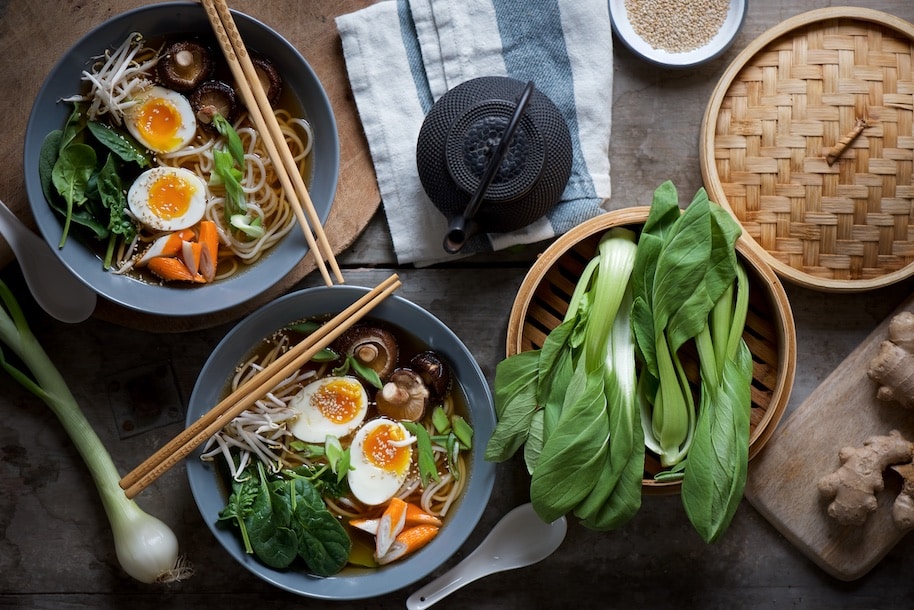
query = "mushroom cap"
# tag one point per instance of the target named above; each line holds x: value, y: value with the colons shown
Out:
x: 372, y: 346
x: 184, y: 64
x: 434, y: 372
x: 269, y: 78
x: 214, y: 96
x: 404, y: 397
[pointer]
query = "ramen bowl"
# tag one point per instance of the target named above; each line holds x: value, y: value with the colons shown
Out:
x: 545, y: 292
x: 209, y: 484
x: 83, y: 257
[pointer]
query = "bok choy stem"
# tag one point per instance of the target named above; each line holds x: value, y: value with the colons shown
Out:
x: 146, y: 548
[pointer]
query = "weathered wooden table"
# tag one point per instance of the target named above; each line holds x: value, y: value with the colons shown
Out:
x: 56, y: 550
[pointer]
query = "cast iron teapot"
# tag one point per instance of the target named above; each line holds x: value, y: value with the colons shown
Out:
x: 493, y: 155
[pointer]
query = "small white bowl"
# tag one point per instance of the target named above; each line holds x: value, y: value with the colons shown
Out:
x: 625, y: 31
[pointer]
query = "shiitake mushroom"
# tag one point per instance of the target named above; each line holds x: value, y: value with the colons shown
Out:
x: 433, y: 371
x: 404, y: 397
x: 214, y: 97
x: 269, y: 77
x: 184, y: 65
x: 372, y: 346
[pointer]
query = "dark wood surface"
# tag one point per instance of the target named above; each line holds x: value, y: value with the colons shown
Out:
x: 55, y: 546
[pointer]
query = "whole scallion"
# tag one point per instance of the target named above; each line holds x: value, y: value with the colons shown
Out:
x: 146, y: 548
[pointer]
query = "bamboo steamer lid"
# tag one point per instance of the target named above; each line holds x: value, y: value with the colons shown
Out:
x: 790, y: 98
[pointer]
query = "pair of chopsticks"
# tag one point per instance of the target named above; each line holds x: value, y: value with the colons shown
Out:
x: 255, y: 388
x: 251, y: 89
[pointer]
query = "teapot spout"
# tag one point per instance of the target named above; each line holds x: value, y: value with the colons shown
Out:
x: 460, y: 229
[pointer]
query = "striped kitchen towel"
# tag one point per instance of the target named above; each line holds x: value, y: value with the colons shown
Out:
x: 402, y: 55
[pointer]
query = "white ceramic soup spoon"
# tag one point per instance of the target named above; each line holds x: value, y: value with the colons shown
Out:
x: 54, y: 288
x: 520, y: 539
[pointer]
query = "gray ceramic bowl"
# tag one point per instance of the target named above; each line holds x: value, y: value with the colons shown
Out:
x: 48, y: 114
x: 210, y: 495
x: 623, y: 25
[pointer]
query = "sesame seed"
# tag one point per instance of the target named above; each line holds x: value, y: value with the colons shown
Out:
x: 677, y: 26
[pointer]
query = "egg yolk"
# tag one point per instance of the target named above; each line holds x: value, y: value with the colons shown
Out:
x: 158, y: 120
x: 170, y: 196
x: 380, y: 451
x: 338, y: 400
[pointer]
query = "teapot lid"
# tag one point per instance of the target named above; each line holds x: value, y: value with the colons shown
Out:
x: 494, y: 154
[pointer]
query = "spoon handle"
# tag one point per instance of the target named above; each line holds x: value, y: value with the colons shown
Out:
x: 460, y: 575
x: 53, y: 287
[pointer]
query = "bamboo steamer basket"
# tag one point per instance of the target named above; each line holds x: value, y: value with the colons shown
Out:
x: 543, y: 297
x: 787, y: 100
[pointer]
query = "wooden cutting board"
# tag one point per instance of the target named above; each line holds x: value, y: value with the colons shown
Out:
x: 842, y: 411
x: 41, y: 33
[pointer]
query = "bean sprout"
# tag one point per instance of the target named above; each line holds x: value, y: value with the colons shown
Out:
x: 115, y: 81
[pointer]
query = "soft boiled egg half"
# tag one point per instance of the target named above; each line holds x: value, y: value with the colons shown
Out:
x: 333, y: 406
x: 167, y: 198
x: 162, y: 120
x: 380, y: 458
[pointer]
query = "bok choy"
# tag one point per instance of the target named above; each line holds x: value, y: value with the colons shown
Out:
x: 609, y: 382
x: 146, y: 548
x: 572, y: 403
x: 691, y: 287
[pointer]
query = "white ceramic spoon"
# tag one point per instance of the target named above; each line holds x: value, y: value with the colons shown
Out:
x: 520, y: 539
x: 54, y: 288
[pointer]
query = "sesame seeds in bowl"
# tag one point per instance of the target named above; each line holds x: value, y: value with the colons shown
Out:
x: 677, y: 33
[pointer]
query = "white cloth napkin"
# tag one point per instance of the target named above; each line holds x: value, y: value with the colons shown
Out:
x: 402, y: 55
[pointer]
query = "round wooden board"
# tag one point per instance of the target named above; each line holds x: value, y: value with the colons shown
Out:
x: 782, y: 106
x: 44, y: 32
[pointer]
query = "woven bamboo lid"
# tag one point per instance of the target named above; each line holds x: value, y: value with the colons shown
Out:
x: 787, y: 101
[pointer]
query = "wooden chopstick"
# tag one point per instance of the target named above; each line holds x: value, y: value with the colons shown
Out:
x: 255, y: 388
x: 261, y: 113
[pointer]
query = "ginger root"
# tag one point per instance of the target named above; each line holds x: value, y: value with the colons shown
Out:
x: 903, y: 509
x: 893, y: 367
x: 853, y: 487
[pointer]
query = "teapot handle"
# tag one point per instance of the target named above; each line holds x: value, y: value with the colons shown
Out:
x: 462, y: 227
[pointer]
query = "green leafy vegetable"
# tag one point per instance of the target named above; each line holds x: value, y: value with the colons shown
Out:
x: 146, y: 548
x: 113, y: 199
x: 233, y: 142
x: 428, y: 470
x: 608, y: 382
x: 715, y: 475
x: 561, y: 400
x: 82, y: 170
x: 71, y: 175
x: 283, y: 519
x: 120, y: 143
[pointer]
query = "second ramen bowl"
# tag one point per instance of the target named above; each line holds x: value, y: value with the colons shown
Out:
x: 423, y: 331
x: 49, y: 114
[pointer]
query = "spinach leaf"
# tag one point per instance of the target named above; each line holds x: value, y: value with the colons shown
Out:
x: 273, y: 541
x: 111, y: 194
x: 47, y: 157
x: 120, y: 143
x: 72, y: 172
x: 240, y: 507
x: 322, y: 541
x: 71, y: 175
x: 323, y: 478
x: 72, y: 129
